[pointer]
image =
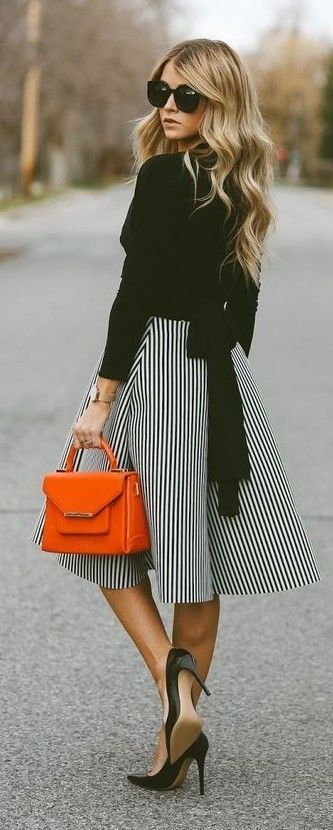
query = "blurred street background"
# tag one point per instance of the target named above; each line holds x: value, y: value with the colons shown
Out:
x: 78, y: 709
x: 74, y: 72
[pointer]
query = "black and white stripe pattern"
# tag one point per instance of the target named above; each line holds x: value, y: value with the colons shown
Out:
x: 158, y: 426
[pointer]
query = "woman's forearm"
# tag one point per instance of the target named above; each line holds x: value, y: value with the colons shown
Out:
x: 107, y: 385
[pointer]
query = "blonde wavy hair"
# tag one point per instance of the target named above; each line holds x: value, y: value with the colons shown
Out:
x: 233, y: 128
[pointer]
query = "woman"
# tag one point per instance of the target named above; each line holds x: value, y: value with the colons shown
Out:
x: 177, y: 399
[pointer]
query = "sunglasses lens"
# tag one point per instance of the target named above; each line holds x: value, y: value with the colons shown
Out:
x: 186, y: 98
x: 157, y: 93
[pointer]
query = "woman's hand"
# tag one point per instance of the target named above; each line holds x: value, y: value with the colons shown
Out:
x: 88, y: 428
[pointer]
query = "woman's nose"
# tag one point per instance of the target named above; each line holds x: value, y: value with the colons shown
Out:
x: 170, y: 102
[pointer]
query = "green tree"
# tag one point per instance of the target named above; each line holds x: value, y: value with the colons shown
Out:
x: 326, y: 146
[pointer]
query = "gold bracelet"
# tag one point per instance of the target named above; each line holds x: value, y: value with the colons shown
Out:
x: 104, y: 401
x: 95, y: 395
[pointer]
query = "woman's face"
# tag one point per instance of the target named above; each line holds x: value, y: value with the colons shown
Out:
x: 184, y: 129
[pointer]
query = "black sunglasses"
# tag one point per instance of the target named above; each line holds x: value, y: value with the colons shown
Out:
x: 186, y: 98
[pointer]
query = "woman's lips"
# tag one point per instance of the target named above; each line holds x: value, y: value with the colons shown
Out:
x: 170, y: 121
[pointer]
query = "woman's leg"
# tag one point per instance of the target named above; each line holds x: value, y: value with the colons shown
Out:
x: 137, y: 611
x: 195, y: 627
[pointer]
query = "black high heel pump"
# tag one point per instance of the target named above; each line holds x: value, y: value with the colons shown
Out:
x: 183, y: 724
x: 172, y: 775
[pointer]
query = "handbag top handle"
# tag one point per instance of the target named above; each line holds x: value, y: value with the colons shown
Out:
x: 105, y: 446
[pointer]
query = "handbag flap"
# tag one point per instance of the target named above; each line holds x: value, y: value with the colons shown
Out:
x: 83, y: 492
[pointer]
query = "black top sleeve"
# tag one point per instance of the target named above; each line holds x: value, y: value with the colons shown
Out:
x: 241, y: 309
x: 131, y: 306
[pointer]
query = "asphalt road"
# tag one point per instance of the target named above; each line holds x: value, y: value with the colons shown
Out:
x: 78, y: 708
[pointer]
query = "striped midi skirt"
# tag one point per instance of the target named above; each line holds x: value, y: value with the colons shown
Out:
x: 158, y: 425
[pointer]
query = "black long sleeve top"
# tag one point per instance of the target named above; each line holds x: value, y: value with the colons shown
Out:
x: 172, y: 269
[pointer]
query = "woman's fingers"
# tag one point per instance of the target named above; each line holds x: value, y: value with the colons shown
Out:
x: 86, y: 440
x: 85, y: 437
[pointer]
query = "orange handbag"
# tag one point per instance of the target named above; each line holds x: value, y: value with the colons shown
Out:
x: 94, y: 511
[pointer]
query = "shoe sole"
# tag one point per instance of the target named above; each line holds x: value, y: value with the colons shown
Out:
x: 188, y: 724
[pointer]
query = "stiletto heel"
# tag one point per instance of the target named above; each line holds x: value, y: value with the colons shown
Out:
x: 201, y: 766
x: 188, y: 662
x: 182, y: 725
x: 173, y: 775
